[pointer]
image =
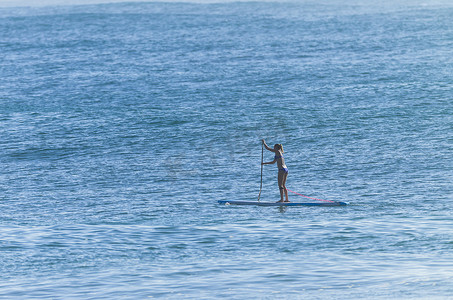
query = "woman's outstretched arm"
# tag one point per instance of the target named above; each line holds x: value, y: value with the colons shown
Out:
x: 270, y: 163
x: 267, y: 147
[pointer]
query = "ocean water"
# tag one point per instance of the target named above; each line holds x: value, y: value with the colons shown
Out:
x: 122, y: 125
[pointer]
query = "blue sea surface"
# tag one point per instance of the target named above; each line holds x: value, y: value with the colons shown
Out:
x: 122, y: 125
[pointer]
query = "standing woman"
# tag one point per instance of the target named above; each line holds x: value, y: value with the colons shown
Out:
x: 282, y: 169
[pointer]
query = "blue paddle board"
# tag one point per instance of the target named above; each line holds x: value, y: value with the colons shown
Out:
x: 233, y: 202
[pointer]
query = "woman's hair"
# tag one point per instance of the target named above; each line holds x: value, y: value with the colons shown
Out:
x: 279, y: 147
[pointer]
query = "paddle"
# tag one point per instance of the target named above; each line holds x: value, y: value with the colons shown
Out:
x: 262, y: 155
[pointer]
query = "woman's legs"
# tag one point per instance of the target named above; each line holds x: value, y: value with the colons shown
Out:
x: 285, y: 175
x: 282, y: 185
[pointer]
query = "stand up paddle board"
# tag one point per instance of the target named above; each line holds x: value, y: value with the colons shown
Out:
x: 233, y: 202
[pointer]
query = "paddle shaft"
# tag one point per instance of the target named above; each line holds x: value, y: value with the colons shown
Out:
x: 261, y: 183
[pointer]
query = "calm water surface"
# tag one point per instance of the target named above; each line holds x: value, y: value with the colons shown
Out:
x: 121, y: 126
